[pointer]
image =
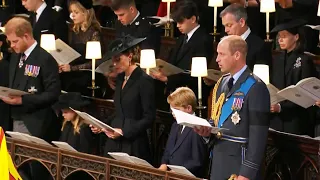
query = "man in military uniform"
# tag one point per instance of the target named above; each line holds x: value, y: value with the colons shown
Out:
x: 240, y: 104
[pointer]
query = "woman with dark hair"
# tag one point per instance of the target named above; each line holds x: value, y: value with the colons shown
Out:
x: 288, y: 68
x: 134, y: 101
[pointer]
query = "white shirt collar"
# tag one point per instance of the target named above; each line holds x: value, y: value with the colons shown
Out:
x: 192, y: 31
x: 238, y: 74
x: 30, y: 49
x: 138, y: 14
x: 246, y: 34
x: 40, y: 10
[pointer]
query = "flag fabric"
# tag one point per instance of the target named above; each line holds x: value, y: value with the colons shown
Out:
x: 7, y: 169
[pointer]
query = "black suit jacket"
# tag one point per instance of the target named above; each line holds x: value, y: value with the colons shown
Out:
x: 228, y: 157
x: 188, y: 150
x: 50, y: 22
x: 141, y: 28
x: 5, y: 121
x: 289, y: 69
x: 36, y: 111
x: 134, y: 114
x: 258, y: 53
x: 199, y: 45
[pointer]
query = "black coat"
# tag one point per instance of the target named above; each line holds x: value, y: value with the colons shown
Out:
x: 50, y: 22
x: 134, y: 113
x: 141, y: 28
x: 287, y: 71
x: 5, y: 120
x: 228, y: 157
x: 258, y: 53
x: 82, y: 142
x: 199, y: 45
x: 36, y: 111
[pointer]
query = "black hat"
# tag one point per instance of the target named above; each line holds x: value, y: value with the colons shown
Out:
x: 290, y: 25
x: 120, y: 45
x: 70, y: 99
x: 88, y: 4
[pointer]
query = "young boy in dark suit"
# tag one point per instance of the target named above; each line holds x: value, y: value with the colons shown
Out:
x: 184, y: 146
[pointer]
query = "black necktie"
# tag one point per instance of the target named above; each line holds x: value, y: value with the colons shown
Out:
x: 230, y: 83
x: 34, y: 18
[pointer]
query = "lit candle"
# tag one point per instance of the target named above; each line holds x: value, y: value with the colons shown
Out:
x: 3, y: 2
x: 93, y: 68
x: 168, y: 10
x: 199, y: 88
x: 267, y: 22
x: 215, y: 16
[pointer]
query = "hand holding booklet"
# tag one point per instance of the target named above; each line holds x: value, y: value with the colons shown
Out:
x: 180, y: 170
x: 6, y: 92
x: 88, y: 119
x: 129, y: 159
x: 192, y: 121
x: 305, y: 93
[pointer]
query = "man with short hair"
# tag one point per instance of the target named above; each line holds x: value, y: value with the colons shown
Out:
x: 194, y: 42
x: 133, y: 24
x: 45, y: 20
x: 241, y: 104
x: 234, y: 19
x: 33, y: 70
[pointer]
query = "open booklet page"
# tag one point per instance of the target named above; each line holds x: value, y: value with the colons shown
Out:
x: 63, y: 145
x: 129, y: 159
x: 88, y: 119
x: 214, y: 74
x: 180, y: 170
x: 6, y: 92
x: 305, y: 93
x: 274, y: 96
x: 64, y: 54
x: 192, y: 121
x: 105, y: 67
x: 295, y: 135
x: 28, y: 138
x: 166, y: 68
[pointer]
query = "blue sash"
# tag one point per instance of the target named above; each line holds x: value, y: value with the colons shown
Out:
x: 227, y: 106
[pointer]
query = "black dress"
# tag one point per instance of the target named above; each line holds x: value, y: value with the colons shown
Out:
x: 82, y: 142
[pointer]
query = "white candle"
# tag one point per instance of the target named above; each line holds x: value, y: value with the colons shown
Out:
x: 267, y: 22
x: 148, y: 71
x: 168, y: 10
x: 199, y: 88
x: 215, y: 16
x: 93, y: 68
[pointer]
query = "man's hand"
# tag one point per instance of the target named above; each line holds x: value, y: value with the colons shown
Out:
x: 242, y: 178
x: 275, y: 108
x: 112, y: 134
x: 163, y: 167
x: 65, y: 68
x: 159, y: 75
x: 95, y: 130
x: 162, y: 20
x: 203, y: 131
x: 12, y: 100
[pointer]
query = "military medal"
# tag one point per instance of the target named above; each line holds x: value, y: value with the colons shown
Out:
x: 31, y: 70
x: 32, y: 90
x: 235, y: 118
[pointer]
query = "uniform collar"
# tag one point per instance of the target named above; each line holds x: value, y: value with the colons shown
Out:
x: 238, y: 74
x: 138, y: 14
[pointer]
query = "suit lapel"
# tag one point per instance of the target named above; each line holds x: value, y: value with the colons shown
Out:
x: 182, y: 137
x: 174, y: 60
x: 291, y: 59
x: 13, y: 67
x: 241, y: 79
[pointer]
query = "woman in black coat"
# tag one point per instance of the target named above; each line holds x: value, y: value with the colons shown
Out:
x: 134, y: 102
x: 289, y: 67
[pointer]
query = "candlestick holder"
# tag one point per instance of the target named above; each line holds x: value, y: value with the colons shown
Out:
x: 215, y: 34
x: 93, y: 87
x: 268, y: 37
x: 3, y: 4
x: 168, y: 29
x: 200, y: 107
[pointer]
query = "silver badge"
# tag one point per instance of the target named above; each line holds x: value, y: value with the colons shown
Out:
x: 298, y: 63
x: 137, y: 23
x: 32, y: 90
x: 235, y: 118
